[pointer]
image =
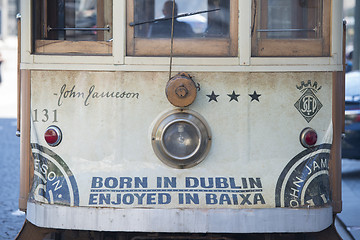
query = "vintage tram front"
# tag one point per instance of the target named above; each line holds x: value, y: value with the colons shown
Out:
x: 226, y: 121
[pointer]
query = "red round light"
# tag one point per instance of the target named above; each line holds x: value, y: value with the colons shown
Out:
x: 53, y: 136
x: 308, y: 137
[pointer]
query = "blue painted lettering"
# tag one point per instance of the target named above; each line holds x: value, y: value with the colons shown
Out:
x: 122, y: 182
x: 233, y: 199
x: 164, y: 198
x: 224, y: 198
x: 97, y: 182
x: 192, y: 198
x: 111, y: 182
x: 140, y: 198
x: 221, y: 182
x: 104, y: 198
x: 211, y: 199
x: 151, y: 198
x: 128, y: 199
x: 93, y: 199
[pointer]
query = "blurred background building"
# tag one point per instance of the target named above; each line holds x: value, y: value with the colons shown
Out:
x: 8, y: 11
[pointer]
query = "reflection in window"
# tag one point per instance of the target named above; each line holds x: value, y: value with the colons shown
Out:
x: 289, y: 19
x: 73, y: 20
x: 210, y: 24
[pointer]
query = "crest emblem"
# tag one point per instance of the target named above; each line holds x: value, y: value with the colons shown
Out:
x: 308, y: 105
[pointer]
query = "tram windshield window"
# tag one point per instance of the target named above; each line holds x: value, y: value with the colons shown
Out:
x: 77, y: 21
x: 214, y: 23
x: 304, y: 23
x: 206, y: 20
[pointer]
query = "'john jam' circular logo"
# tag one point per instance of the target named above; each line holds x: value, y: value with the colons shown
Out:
x: 305, y: 179
x: 54, y: 183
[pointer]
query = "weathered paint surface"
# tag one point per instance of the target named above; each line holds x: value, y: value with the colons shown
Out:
x: 105, y: 158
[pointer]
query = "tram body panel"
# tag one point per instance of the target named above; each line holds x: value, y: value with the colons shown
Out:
x: 105, y: 159
x: 243, y: 137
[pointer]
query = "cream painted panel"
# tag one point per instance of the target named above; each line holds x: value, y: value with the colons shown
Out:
x: 106, y: 159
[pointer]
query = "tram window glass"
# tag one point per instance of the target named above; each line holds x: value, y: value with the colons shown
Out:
x: 212, y: 32
x: 291, y: 28
x: 72, y: 26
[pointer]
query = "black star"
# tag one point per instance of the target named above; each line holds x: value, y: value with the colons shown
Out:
x: 233, y: 96
x: 213, y: 97
x: 255, y: 96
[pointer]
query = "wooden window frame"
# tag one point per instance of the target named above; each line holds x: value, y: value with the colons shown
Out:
x: 66, y: 47
x: 207, y: 47
x: 267, y: 47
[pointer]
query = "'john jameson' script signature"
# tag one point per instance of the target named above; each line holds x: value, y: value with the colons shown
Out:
x: 71, y: 93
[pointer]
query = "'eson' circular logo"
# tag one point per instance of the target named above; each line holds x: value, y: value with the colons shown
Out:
x: 54, y: 183
x: 305, y: 179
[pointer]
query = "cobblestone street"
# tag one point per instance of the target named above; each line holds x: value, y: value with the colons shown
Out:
x: 11, y: 219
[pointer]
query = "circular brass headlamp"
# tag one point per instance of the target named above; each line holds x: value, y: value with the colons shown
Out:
x: 181, y: 139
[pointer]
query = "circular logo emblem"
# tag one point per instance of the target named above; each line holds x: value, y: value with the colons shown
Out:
x: 305, y: 179
x: 54, y: 183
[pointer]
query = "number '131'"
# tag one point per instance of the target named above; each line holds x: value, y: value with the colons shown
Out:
x: 45, y: 115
